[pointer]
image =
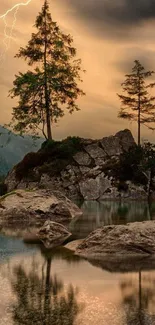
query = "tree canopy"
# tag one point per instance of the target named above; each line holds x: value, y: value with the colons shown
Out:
x: 137, y: 104
x: 52, y: 85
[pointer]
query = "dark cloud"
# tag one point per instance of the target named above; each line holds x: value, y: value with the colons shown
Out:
x: 117, y: 14
x: 129, y: 55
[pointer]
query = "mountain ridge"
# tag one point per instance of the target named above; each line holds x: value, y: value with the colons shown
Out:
x: 14, y: 147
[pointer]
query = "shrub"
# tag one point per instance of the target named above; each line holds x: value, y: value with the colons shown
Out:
x: 3, y: 188
x: 122, y: 186
x: 49, y: 145
x: 52, y: 157
x: 62, y: 149
x: 30, y: 161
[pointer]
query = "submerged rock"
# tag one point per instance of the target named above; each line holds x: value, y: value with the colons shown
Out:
x: 20, y: 209
x: 134, y: 239
x: 53, y: 234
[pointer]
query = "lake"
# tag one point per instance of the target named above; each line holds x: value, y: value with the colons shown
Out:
x: 56, y: 287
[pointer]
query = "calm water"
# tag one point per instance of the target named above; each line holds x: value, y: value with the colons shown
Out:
x: 59, y: 288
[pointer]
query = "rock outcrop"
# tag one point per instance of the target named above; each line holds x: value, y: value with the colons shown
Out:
x: 134, y: 239
x: 53, y: 234
x: 26, y: 209
x: 84, y: 175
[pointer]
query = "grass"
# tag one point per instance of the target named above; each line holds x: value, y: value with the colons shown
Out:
x: 6, y: 195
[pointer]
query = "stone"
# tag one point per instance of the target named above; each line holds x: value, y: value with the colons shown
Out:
x: 11, y: 181
x: 90, y: 172
x: 111, y: 146
x: 94, y: 188
x: 68, y: 177
x: 73, y: 191
x: 93, y: 172
x: 32, y: 208
x: 95, y: 151
x: 134, y: 239
x: 82, y: 158
x: 84, y: 170
x: 73, y: 244
x: 89, y: 189
x: 134, y: 192
x: 126, y: 139
x: 105, y: 183
x: 53, y: 234
x: 111, y: 193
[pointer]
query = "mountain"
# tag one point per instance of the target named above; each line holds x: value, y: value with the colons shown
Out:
x: 14, y: 147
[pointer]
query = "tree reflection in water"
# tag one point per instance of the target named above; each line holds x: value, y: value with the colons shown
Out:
x: 43, y: 300
x: 138, y: 299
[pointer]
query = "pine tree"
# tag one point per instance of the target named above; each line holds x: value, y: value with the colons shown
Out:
x: 52, y: 85
x: 138, y: 105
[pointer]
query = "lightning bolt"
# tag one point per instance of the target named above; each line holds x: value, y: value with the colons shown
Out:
x: 14, y: 7
x: 8, y: 36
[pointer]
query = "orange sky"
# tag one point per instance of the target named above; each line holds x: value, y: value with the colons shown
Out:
x: 107, y: 42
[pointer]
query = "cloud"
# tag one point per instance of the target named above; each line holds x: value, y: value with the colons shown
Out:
x: 115, y: 17
x: 130, y: 54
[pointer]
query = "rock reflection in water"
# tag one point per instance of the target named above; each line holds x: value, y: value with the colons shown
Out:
x: 97, y: 214
x: 40, y: 288
x: 43, y: 300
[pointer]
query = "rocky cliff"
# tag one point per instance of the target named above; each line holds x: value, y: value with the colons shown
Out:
x: 85, y: 171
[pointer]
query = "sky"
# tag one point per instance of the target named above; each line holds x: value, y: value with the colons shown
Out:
x: 108, y: 35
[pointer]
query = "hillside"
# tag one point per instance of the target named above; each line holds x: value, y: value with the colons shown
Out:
x: 13, y: 148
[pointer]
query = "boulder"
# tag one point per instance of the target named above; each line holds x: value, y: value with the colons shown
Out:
x: 134, y: 239
x: 82, y: 158
x: 94, y: 188
x: 126, y: 139
x: 32, y: 208
x: 89, y: 189
x: 112, y: 146
x: 53, y: 234
x: 96, y: 153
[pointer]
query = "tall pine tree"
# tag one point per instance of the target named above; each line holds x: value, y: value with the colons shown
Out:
x: 137, y: 105
x: 52, y: 84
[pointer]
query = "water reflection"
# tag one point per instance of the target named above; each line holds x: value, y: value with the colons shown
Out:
x: 139, y: 299
x: 41, y: 285
x: 41, y: 289
x: 42, y: 300
x: 97, y: 214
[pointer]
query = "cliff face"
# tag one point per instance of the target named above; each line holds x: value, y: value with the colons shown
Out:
x: 86, y: 174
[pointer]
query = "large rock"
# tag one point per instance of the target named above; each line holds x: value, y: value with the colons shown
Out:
x: 32, y: 208
x: 95, y: 151
x: 112, y: 146
x: 94, y: 188
x: 82, y: 158
x: 126, y: 139
x: 134, y: 239
x: 53, y: 234
x: 88, y: 174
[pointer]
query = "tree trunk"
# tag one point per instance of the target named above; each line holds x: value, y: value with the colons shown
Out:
x: 139, y: 127
x: 47, y: 104
x: 47, y: 291
x: 149, y: 184
x: 48, y: 120
x: 139, y: 107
